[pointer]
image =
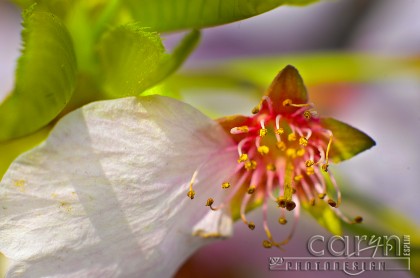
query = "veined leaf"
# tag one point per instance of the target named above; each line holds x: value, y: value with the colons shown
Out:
x: 129, y: 54
x: 45, y: 76
x: 171, y: 62
x: 133, y: 59
x: 171, y: 15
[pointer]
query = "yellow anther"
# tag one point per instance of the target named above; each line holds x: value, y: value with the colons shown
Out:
x: 239, y: 129
x: 310, y: 170
x: 312, y: 202
x: 307, y: 114
x: 257, y: 108
x: 250, y: 165
x: 291, y: 152
x: 282, y: 220
x: 358, y: 219
x: 300, y: 152
x: 263, y: 150
x: 251, y: 225
x: 242, y: 158
x: 324, y: 167
x: 291, y: 136
x: 267, y: 244
x: 225, y: 185
x: 281, y: 146
x: 322, y: 195
x: 209, y: 202
x: 281, y: 201
x: 279, y: 131
x: 332, y: 203
x: 287, y: 102
x: 251, y: 189
x: 298, y: 178
x: 309, y: 163
x: 271, y: 167
x: 191, y: 194
x: 263, y: 132
x: 303, y: 141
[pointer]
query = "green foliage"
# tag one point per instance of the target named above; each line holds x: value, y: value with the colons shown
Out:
x: 171, y: 15
x: 45, y: 76
x: 129, y: 54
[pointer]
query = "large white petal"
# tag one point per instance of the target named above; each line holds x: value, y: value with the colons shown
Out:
x: 106, y: 194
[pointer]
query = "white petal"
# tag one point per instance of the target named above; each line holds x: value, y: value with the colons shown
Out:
x: 106, y: 194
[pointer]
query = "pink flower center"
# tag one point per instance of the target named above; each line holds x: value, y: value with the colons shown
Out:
x: 283, y: 158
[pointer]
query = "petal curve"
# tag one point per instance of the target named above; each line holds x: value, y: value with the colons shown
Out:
x: 105, y: 195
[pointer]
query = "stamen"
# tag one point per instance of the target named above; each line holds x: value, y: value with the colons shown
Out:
x: 303, y: 141
x: 191, y: 192
x: 271, y: 167
x: 267, y: 244
x: 300, y: 152
x: 242, y: 143
x: 225, y: 185
x: 232, y: 193
x: 269, y: 103
x: 310, y: 170
x: 309, y: 163
x: 332, y: 203
x: 328, y: 151
x: 239, y: 130
x: 282, y: 221
x: 279, y: 130
x: 308, y: 114
x: 251, y: 189
x: 291, y: 152
x: 250, y: 165
x: 263, y: 150
x: 290, y: 205
x: 358, y: 219
x: 288, y: 102
x: 298, y: 178
x: 242, y: 158
x: 336, y: 188
x: 291, y: 137
x: 209, y: 202
x: 281, y: 146
x: 263, y: 130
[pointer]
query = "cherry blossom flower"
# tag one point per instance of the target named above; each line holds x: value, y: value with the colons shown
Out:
x: 104, y: 195
x: 283, y: 153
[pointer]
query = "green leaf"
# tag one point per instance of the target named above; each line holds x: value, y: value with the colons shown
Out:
x: 347, y: 140
x: 129, y: 55
x: 171, y: 15
x: 171, y: 62
x: 133, y: 59
x: 45, y: 76
x: 298, y: 2
x: 325, y: 216
x: 11, y: 149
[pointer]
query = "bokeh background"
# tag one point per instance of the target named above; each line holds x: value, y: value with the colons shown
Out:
x: 388, y: 110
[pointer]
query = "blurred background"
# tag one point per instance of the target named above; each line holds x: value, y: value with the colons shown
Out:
x: 387, y: 110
